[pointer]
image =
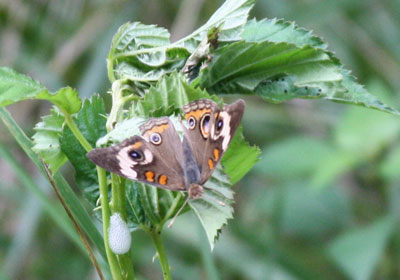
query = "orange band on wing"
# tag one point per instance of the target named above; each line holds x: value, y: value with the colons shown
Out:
x: 159, y: 129
x: 137, y: 145
x: 163, y: 180
x: 210, y: 164
x: 149, y: 176
x: 197, y: 114
x: 216, y: 154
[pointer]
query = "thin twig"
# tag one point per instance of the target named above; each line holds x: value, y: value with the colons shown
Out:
x: 77, y: 228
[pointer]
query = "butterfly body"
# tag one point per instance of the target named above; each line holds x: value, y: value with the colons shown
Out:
x: 160, y: 158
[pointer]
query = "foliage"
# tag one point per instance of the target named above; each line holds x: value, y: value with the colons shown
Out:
x: 300, y: 210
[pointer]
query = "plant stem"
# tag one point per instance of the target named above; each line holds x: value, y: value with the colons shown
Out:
x: 156, y: 237
x: 118, y: 206
x: 101, y: 173
x: 121, y: 266
x: 75, y: 223
x: 77, y: 133
x: 172, y: 209
x: 118, y: 196
x: 105, y: 213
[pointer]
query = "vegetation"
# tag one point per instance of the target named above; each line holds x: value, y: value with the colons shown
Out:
x: 320, y: 203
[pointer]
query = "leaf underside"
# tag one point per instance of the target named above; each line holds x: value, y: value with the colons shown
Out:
x: 47, y: 140
x: 91, y: 123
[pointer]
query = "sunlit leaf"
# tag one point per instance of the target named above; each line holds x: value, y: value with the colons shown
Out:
x: 282, y: 71
x: 15, y: 87
x: 168, y: 97
x: 278, y: 30
x: 142, y: 53
x: 245, y: 67
x: 214, y: 208
x: 240, y: 157
x: 47, y: 140
x: 230, y: 19
x: 91, y: 123
x: 66, y: 99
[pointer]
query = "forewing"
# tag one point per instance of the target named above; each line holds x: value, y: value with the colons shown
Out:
x: 153, y: 158
x: 209, y: 148
x: 199, y: 115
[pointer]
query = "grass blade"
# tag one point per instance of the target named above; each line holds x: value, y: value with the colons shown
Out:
x: 79, y: 212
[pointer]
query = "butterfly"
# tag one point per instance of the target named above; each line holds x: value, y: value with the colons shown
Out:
x: 160, y: 158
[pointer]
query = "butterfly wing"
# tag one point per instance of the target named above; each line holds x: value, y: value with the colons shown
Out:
x: 210, y: 130
x: 153, y: 158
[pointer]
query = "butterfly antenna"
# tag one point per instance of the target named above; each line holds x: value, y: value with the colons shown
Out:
x: 179, y: 211
x: 220, y: 202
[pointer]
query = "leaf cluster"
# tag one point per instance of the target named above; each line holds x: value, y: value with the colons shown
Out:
x: 152, y: 77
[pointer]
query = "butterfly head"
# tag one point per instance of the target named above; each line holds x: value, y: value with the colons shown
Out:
x: 195, y: 191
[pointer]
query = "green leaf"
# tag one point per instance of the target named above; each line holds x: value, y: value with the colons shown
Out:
x: 66, y: 99
x: 142, y: 53
x: 278, y: 30
x: 91, y: 123
x: 47, y: 140
x: 136, y: 36
x: 245, y: 67
x: 168, y: 97
x: 359, y: 251
x: 350, y: 92
x: 79, y: 212
x: 230, y: 19
x: 240, y: 157
x: 15, y: 87
x: 214, y: 208
x: 282, y: 71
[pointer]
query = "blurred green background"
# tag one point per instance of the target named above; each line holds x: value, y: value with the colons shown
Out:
x: 322, y: 203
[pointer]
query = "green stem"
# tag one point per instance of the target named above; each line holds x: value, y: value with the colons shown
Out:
x: 118, y: 205
x: 172, y: 209
x: 118, y: 196
x: 105, y: 213
x: 125, y: 271
x: 110, y: 68
x: 156, y: 237
x: 118, y: 202
x: 77, y: 133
